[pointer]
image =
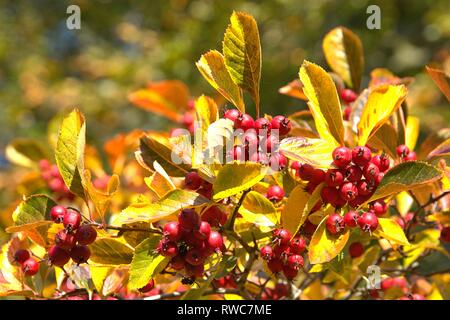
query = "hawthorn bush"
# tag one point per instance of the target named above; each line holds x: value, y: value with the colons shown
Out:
x: 335, y: 202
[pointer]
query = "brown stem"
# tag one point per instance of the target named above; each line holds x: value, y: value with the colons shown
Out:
x: 230, y: 224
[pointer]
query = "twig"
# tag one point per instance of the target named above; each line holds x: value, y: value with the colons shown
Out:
x: 230, y: 224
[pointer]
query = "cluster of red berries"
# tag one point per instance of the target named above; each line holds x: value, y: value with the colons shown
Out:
x: 336, y: 223
x: 285, y: 253
x: 260, y: 138
x: 405, y: 154
x: 193, y: 181
x: 72, y: 241
x: 30, y: 266
x: 400, y: 284
x: 189, y: 242
x: 347, y: 96
x: 52, y: 177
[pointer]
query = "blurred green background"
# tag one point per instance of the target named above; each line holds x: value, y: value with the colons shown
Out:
x: 46, y: 68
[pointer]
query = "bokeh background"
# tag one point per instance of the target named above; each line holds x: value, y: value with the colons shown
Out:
x: 46, y: 68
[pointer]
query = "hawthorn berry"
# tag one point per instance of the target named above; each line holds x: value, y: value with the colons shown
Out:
x: 379, y: 207
x: 381, y: 161
x: 281, y: 250
x: 356, y: 249
x: 58, y: 256
x: 275, y: 193
x: 30, y: 267
x: 272, y: 143
x: 282, y: 236
x: 351, y: 219
x: 21, y: 255
x: 215, y: 240
x: 346, y: 113
x: 289, y: 273
x: 192, y: 181
x: 329, y: 195
x: 275, y: 265
x: 402, y: 150
x: 305, y: 171
x: 317, y: 176
x: 177, y: 263
x: 188, y: 219
x: 278, y: 161
x: 171, y: 231
x: 214, y: 216
x: 370, y: 171
x: 240, y: 153
x: 353, y: 173
x: 368, y: 221
x: 57, y: 213
x: 295, y: 165
x: 85, y: 235
x: 72, y: 220
x: 203, y: 231
x: 445, y: 234
x: 378, y: 178
x: 365, y: 188
x: 148, y: 287
x: 334, y: 223
x: 260, y: 157
x: 250, y: 140
x: 194, y: 257
x: 411, y: 156
x: 232, y: 114
x: 266, y: 252
x: 347, y: 95
x: 334, y: 177
x: 342, y: 157
x: 360, y: 199
x: 295, y: 261
x: 65, y: 240
x: 297, y: 245
x: 361, y: 155
x: 80, y: 254
x: 262, y: 124
x: 245, y: 122
x: 281, y: 123
x: 348, y: 191
x: 167, y: 248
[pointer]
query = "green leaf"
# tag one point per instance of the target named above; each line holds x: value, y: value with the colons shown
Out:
x: 110, y: 251
x: 404, y: 177
x: 212, y: 67
x: 324, y: 104
x: 316, y: 152
x: 236, y: 177
x: 324, y: 246
x: 25, y: 152
x: 259, y: 210
x: 69, y: 151
x: 242, y: 52
x: 390, y: 230
x: 344, y: 53
x: 146, y: 263
x: 298, y: 207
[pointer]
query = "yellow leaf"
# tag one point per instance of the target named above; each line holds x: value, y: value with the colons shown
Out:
x: 212, y: 67
x: 385, y: 139
x: 390, y: 230
x: 98, y: 275
x: 412, y: 131
x: 441, y: 150
x: 110, y: 252
x: 242, y: 53
x: 159, y: 182
x: 383, y: 101
x: 324, y: 246
x: 404, y: 202
x: 323, y: 102
x: 294, y: 89
x: 344, y: 53
x: 316, y: 152
x: 259, y: 210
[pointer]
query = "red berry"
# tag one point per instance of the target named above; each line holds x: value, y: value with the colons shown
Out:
x: 278, y: 161
x: 21, y: 255
x: 172, y: 231
x: 215, y: 217
x: 381, y: 161
x: 411, y: 156
x: 402, y: 150
x: 85, y: 235
x: 44, y: 164
x: 65, y: 240
x: 365, y: 188
x: 305, y: 171
x: 177, y: 263
x: 266, y: 252
x: 232, y: 114
x: 250, y: 140
x: 289, y: 273
x: 342, y: 157
x: 148, y: 287
x: 194, y: 257
x: 80, y: 254
x: 348, y: 191
x: 400, y: 222
x: 353, y: 173
x: 361, y: 155
x: 187, y: 119
x: 57, y: 213
x: 348, y: 95
x: 281, y: 123
x: 239, y: 153
x: 262, y: 124
x: 272, y: 143
x: 298, y: 245
x: 167, y: 248
x: 386, y: 284
x: 275, y: 193
x: 329, y: 195
x: 275, y: 265
x: 370, y: 171
x: 215, y: 240
x: 188, y: 219
x: 309, y: 228
x: 260, y: 157
x: 295, y: 165
x: 58, y: 256
x: 357, y: 201
x: 351, y: 219
x: 379, y: 207
x: 282, y: 236
x: 340, y: 203
x: 192, y: 181
x: 346, y: 113
x: 30, y: 267
x: 281, y: 251
x: 194, y: 271
x: 378, y: 178
x: 445, y: 234
x: 317, y: 176
x: 334, y: 177
x: 334, y: 223
x: 295, y: 261
x: 72, y: 220
x: 356, y: 249
x: 368, y: 222
x: 245, y: 122
x: 204, y: 230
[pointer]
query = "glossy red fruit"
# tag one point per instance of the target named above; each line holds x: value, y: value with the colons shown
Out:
x: 80, y: 254
x: 266, y: 252
x: 187, y: 119
x: 85, y: 235
x: 215, y: 217
x: 192, y: 181
x: 244, y: 122
x: 381, y: 161
x: 295, y: 165
x: 356, y: 249
x: 177, y: 263
x: 329, y: 195
x: 368, y: 221
x: 148, y: 287
x: 340, y: 203
x: 272, y: 143
x: 281, y: 123
x: 275, y: 193
x: 215, y: 240
x: 281, y: 251
x: 240, y: 153
x: 361, y: 155
x: 334, y: 177
x: 65, y: 240
x: 379, y: 207
x: 30, y: 267
x: 260, y: 157
x: 57, y: 213
x: 289, y: 273
x: 275, y: 265
x: 386, y: 284
x: 194, y: 257
x: 203, y: 231
x: 194, y: 271
x: 334, y: 223
x: 58, y: 256
x: 365, y: 188
x: 295, y: 261
x: 346, y: 113
x: 348, y: 191
x: 353, y: 173
x: 262, y: 125
x: 21, y: 255
x: 305, y: 171
x: 351, y: 219
x: 357, y: 201
x: 342, y: 157
x: 282, y: 236
x: 297, y: 245
x: 370, y: 171
x: 278, y: 161
x: 72, y: 220
x: 172, y: 231
x: 167, y: 248
x: 232, y: 114
x: 411, y: 156
x: 402, y: 150
x: 188, y: 219
x: 348, y: 95
x: 445, y: 234
x: 378, y: 178
x: 250, y: 140
x: 317, y: 176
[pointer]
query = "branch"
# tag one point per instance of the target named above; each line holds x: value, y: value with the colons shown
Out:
x: 230, y: 223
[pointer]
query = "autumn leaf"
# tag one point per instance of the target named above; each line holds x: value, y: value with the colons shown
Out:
x: 441, y: 150
x: 412, y: 131
x: 316, y: 152
x: 390, y: 230
x: 110, y: 252
x: 294, y: 89
x: 385, y: 139
x: 441, y: 80
x: 25, y: 152
x: 257, y: 209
